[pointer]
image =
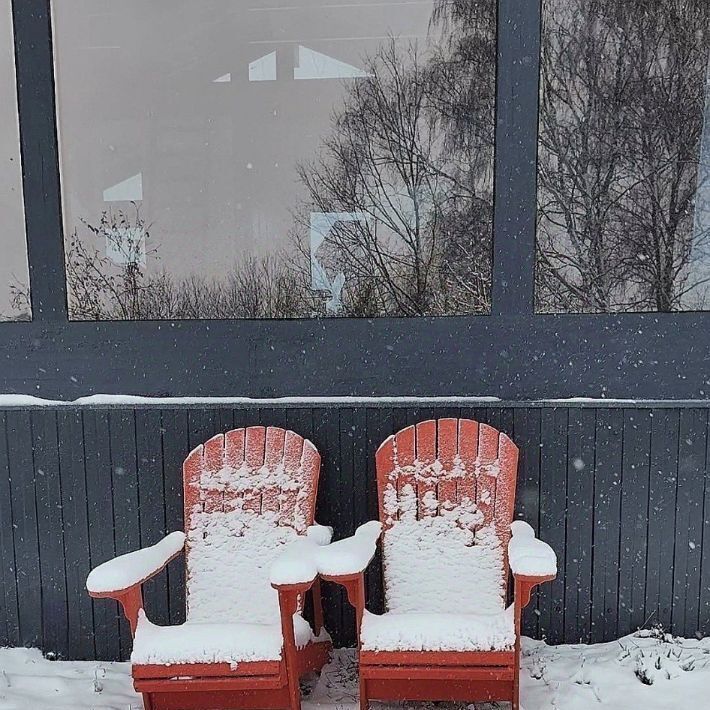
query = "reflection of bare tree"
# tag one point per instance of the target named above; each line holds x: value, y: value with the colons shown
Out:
x: 620, y: 123
x: 387, y: 161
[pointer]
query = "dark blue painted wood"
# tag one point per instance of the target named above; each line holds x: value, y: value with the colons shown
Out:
x: 126, y: 514
x: 175, y: 446
x: 607, y: 523
x: 580, y: 523
x: 151, y: 491
x: 50, y: 527
x: 102, y: 546
x: 634, y: 520
x: 22, y: 473
x: 692, y: 445
x: 704, y: 611
x: 77, y: 557
x: 662, y: 507
x: 9, y: 615
x: 553, y: 511
x: 527, y: 437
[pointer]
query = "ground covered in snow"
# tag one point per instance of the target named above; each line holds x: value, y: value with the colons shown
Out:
x: 647, y: 671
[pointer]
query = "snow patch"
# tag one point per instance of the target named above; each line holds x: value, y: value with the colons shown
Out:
x: 438, y: 632
x: 528, y: 555
x: 578, y: 677
x: 130, y: 569
x: 351, y: 555
x: 443, y: 562
x: 230, y: 554
x: 212, y: 643
x: 26, y: 400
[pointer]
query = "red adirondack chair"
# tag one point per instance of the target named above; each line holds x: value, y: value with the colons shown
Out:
x: 248, y: 493
x: 446, y: 494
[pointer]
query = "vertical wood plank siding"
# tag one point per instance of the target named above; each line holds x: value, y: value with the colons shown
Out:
x: 621, y: 492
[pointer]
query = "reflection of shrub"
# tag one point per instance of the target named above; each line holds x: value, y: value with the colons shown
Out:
x: 101, y: 289
x: 20, y: 306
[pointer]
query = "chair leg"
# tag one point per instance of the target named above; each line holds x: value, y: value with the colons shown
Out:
x: 294, y: 690
x: 515, y: 699
x: 364, y: 701
x: 147, y: 701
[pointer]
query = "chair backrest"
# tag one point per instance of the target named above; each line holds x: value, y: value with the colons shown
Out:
x: 247, y: 493
x: 446, y: 493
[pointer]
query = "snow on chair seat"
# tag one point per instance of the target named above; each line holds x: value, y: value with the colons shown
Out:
x: 438, y: 632
x: 193, y: 642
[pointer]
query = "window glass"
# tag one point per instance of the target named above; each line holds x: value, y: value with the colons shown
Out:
x: 624, y: 156
x: 14, y: 278
x: 276, y: 159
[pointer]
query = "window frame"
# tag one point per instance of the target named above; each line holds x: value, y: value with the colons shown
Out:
x: 512, y: 353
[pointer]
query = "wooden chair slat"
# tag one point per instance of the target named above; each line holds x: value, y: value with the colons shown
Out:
x: 468, y: 454
x: 427, y: 507
x: 234, y: 448
x: 447, y: 446
x: 405, y: 454
x: 385, y: 464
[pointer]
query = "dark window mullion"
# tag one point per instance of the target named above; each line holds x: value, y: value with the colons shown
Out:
x: 516, y: 157
x: 40, y: 158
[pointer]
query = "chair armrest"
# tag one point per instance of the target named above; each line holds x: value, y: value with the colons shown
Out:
x: 532, y: 562
x: 528, y: 556
x: 295, y: 566
x: 344, y: 562
x: 117, y: 576
x: 309, y: 556
x: 297, y: 563
x: 351, y: 555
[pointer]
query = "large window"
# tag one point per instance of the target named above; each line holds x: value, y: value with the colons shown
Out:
x: 624, y: 156
x: 271, y: 159
x: 14, y: 279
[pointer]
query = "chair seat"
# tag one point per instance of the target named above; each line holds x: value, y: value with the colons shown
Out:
x: 438, y: 632
x: 196, y: 642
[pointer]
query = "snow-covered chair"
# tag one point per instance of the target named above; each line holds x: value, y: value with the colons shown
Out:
x: 446, y: 492
x: 249, y: 494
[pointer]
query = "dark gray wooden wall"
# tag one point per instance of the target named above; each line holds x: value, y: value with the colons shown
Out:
x: 620, y: 492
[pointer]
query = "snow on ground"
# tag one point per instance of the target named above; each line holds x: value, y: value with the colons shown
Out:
x: 647, y: 671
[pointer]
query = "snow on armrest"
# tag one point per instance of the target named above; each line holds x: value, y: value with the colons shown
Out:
x: 320, y: 534
x: 135, y: 567
x: 351, y: 555
x: 529, y: 556
x: 305, y: 558
x: 296, y: 564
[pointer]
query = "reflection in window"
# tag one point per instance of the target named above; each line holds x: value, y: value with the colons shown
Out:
x: 271, y: 159
x: 624, y: 156
x: 14, y: 279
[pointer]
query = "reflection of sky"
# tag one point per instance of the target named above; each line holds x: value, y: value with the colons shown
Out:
x: 13, y: 251
x: 162, y: 90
